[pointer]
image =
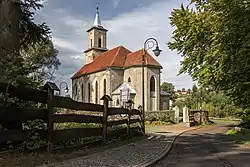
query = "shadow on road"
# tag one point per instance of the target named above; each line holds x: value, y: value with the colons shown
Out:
x: 207, y: 148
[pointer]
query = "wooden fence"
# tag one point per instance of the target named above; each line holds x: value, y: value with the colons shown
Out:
x: 11, y: 118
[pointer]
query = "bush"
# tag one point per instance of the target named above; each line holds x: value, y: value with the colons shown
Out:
x: 164, y: 116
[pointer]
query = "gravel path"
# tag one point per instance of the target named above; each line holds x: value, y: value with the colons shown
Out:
x: 206, y: 147
x: 123, y: 156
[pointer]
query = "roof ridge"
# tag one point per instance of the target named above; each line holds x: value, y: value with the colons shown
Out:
x: 139, y: 51
x: 119, y: 48
x: 103, y: 54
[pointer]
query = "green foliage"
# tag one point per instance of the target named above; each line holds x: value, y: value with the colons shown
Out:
x: 162, y: 116
x: 27, y: 53
x: 168, y: 87
x: 34, y: 139
x: 69, y: 125
x: 241, y: 137
x: 213, y: 37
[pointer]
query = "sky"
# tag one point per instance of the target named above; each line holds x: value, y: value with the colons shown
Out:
x: 130, y: 23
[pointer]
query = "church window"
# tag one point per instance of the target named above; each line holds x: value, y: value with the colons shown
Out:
x: 96, y: 92
x: 82, y: 93
x: 91, y: 43
x: 152, y: 86
x: 89, y: 90
x: 99, y: 42
x: 129, y: 80
x: 75, y: 87
x: 104, y: 87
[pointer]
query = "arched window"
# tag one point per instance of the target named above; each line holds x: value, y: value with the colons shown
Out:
x: 117, y: 102
x: 129, y: 80
x: 82, y: 93
x: 96, y: 92
x: 75, y: 89
x: 89, y: 90
x: 152, y: 86
x: 91, y: 43
x: 99, y: 42
x: 104, y: 87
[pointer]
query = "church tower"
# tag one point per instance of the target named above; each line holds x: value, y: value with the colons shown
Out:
x: 97, y: 39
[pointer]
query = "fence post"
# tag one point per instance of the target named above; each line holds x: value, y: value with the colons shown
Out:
x: 185, y: 115
x: 176, y: 114
x: 49, y: 121
x: 142, y: 119
x: 50, y: 87
x: 106, y: 100
x: 128, y: 123
x: 129, y: 104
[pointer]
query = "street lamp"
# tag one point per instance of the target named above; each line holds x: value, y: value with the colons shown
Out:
x: 201, y: 94
x: 150, y: 43
x: 66, y: 87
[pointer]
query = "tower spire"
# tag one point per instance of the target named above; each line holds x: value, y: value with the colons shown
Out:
x: 97, y: 22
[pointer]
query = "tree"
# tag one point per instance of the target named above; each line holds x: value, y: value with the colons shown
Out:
x: 213, y: 37
x: 183, y: 89
x: 194, y: 88
x: 26, y: 47
x: 168, y: 87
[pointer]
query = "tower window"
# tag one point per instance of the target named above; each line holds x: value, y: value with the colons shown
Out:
x: 91, y: 43
x: 99, y: 42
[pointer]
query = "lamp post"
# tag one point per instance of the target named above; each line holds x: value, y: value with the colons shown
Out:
x: 66, y: 87
x: 150, y: 43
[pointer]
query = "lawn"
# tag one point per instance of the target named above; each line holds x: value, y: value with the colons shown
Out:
x: 240, y: 137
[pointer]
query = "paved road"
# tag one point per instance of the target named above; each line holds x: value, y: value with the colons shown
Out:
x: 206, y: 147
x: 129, y: 155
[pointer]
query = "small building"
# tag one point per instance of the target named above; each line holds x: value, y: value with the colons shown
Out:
x: 165, y: 98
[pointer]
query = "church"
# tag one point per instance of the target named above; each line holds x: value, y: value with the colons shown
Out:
x: 116, y: 72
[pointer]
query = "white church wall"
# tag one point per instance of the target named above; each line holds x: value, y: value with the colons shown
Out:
x: 155, y: 72
x: 135, y: 73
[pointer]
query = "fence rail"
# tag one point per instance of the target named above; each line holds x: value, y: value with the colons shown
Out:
x: 68, y: 103
x: 11, y: 118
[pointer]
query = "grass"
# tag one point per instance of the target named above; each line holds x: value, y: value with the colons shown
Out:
x: 240, y: 137
x: 69, y: 125
x: 157, y: 123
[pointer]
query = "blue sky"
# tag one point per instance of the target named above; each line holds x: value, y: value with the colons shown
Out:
x: 130, y: 23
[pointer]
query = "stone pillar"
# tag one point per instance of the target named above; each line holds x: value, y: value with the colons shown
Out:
x: 185, y: 115
x: 176, y: 114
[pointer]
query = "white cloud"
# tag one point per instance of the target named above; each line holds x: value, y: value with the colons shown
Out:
x: 128, y: 29
x: 115, y: 3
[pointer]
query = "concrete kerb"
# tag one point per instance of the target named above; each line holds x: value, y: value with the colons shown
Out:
x: 168, y: 148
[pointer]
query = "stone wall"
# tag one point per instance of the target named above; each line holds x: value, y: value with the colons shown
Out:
x: 114, y: 78
x: 80, y: 86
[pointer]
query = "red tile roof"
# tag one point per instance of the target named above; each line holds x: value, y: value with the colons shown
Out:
x: 116, y: 57
x: 135, y: 58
